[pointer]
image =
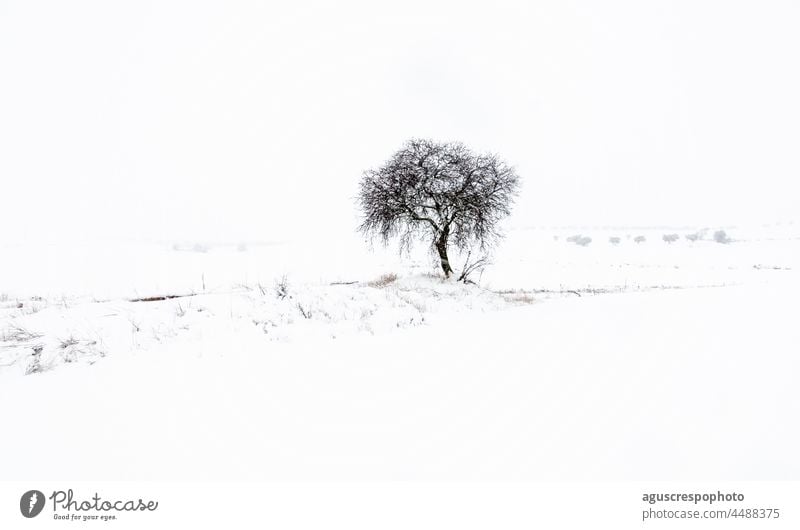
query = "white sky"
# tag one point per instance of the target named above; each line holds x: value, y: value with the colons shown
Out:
x: 251, y: 120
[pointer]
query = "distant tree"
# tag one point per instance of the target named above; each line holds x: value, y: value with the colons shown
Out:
x: 438, y: 192
x: 579, y: 239
x: 697, y: 236
x: 613, y: 240
x: 639, y: 239
x: 670, y: 238
x: 721, y: 237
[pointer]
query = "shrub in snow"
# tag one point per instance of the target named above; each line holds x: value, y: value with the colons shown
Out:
x: 721, y: 237
x: 383, y: 280
x: 639, y: 239
x: 518, y: 297
x: 670, y: 238
x: 613, y: 240
x: 304, y: 311
x: 473, y: 266
x: 282, y: 287
x: 579, y: 240
x: 35, y: 366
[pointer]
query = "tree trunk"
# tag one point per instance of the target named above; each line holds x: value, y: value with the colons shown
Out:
x: 441, y: 248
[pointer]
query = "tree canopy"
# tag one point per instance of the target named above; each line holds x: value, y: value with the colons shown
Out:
x: 441, y: 192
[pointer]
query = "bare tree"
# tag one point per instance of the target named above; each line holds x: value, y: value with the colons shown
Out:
x: 441, y: 192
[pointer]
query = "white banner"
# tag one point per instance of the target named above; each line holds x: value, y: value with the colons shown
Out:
x: 136, y: 505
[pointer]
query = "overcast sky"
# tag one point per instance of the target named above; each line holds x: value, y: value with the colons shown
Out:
x: 253, y: 120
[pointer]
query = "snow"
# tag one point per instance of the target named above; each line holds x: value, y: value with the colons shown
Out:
x: 685, y: 368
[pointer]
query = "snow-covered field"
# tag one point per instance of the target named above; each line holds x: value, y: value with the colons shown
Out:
x: 322, y: 359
